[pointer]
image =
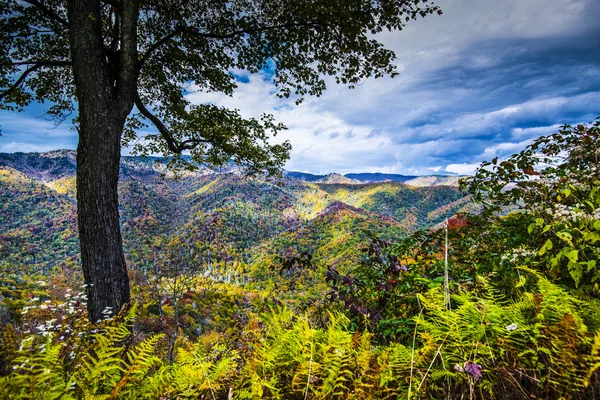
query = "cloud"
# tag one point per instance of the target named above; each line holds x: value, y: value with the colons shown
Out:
x: 462, y: 169
x: 480, y: 81
x: 30, y: 132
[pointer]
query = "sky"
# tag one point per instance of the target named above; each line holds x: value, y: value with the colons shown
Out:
x: 482, y: 80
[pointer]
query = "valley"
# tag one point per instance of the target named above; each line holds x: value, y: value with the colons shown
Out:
x: 227, y: 224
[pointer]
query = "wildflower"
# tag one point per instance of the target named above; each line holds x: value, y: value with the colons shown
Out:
x: 512, y: 327
x: 473, y: 370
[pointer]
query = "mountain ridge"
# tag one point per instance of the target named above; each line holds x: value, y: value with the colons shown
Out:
x: 61, y: 163
x: 217, y: 222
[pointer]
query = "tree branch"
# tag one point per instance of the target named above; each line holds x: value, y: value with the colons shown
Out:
x: 47, y: 12
x: 127, y: 75
x: 40, y: 63
x: 24, y: 75
x: 175, y: 147
x: 155, y: 47
x: 183, y: 30
x: 19, y: 81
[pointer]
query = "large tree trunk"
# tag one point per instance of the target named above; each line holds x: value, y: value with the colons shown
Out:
x: 105, y: 90
x: 103, y: 261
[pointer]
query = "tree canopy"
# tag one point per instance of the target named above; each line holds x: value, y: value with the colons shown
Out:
x: 163, y: 46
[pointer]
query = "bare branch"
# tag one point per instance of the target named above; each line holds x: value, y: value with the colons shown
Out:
x: 172, y: 143
x: 47, y: 12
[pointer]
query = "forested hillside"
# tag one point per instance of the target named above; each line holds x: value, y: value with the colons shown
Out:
x: 223, y: 218
x: 253, y: 288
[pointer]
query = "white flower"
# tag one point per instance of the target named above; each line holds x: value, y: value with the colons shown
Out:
x: 512, y: 327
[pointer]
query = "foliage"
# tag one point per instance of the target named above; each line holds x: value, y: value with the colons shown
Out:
x: 99, y: 363
x: 542, y: 172
x: 298, y: 44
x: 555, y: 181
x: 538, y: 344
x: 252, y: 290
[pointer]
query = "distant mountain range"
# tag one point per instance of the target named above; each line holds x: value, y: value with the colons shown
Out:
x: 375, y: 177
x: 218, y: 223
x: 57, y: 162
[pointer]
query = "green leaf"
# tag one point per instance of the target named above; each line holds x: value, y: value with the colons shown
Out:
x: 547, y: 246
x: 573, y: 255
x: 591, y: 265
x: 592, y: 237
x: 539, y: 222
x: 575, y: 271
x: 566, y: 237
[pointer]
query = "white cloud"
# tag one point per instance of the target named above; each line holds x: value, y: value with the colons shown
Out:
x: 462, y: 169
x: 504, y: 149
x: 25, y: 147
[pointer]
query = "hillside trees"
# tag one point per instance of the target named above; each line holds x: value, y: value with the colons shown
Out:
x: 120, y: 64
x: 541, y: 211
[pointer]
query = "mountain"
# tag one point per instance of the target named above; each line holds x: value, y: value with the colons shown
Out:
x: 303, y: 176
x: 433, y: 180
x: 220, y: 224
x: 371, y: 177
x: 337, y: 178
x: 377, y: 177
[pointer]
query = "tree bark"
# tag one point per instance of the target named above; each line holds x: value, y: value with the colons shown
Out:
x: 102, y: 257
x: 105, y: 95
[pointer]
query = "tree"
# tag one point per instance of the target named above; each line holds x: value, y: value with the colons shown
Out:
x: 122, y: 63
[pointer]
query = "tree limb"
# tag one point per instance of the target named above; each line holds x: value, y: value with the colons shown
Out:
x: 24, y: 75
x: 19, y: 81
x: 183, y: 30
x: 155, y: 47
x: 40, y: 63
x: 47, y: 12
x: 172, y: 143
x: 127, y: 75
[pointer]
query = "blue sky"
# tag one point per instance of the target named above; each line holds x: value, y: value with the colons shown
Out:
x: 480, y: 81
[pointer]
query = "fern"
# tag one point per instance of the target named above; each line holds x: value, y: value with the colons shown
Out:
x: 38, y: 373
